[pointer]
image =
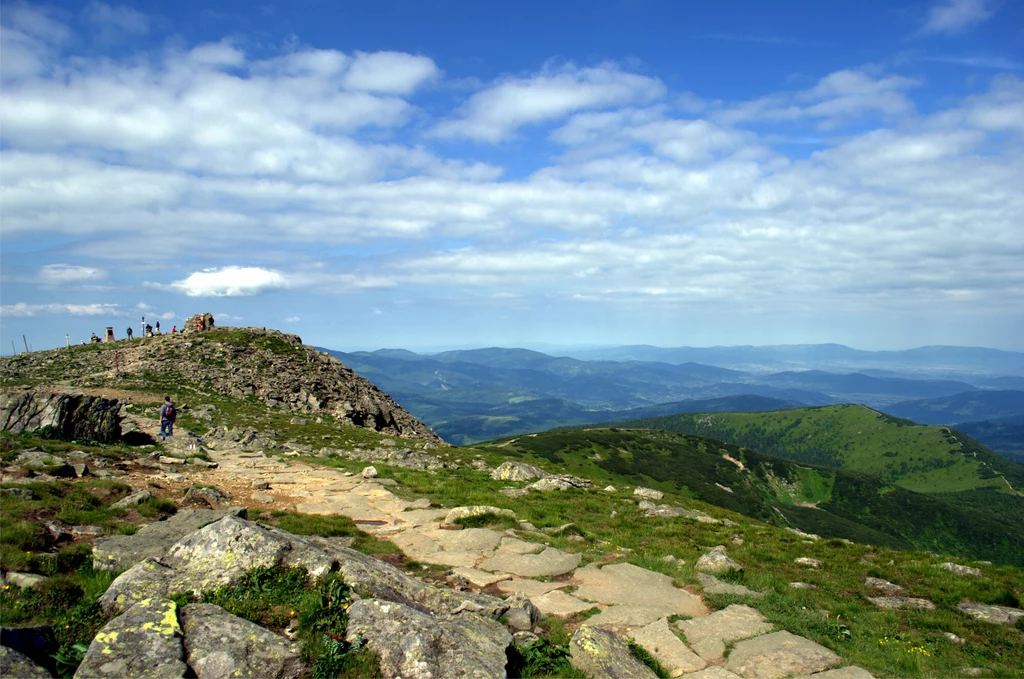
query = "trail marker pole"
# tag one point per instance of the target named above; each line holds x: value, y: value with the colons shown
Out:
x: 26, y: 343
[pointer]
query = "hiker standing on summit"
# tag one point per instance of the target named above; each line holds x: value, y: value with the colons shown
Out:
x: 168, y: 415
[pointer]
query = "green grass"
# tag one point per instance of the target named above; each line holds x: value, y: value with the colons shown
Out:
x: 331, y: 526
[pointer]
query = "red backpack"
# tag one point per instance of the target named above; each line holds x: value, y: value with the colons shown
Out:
x: 169, y: 414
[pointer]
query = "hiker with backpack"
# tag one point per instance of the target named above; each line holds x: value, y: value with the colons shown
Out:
x: 168, y: 414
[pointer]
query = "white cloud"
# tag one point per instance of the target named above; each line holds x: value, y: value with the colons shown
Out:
x: 58, y: 274
x: 292, y: 319
x: 495, y: 113
x: 230, y: 281
x: 22, y: 309
x: 954, y: 16
x: 390, y: 72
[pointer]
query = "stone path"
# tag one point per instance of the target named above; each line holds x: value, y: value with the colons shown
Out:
x: 631, y: 600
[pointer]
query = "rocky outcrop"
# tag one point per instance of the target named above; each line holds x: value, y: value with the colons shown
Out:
x: 717, y: 561
x: 144, y: 642
x: 416, y: 645
x: 270, y: 366
x: 517, y: 471
x: 18, y: 666
x: 602, y: 654
x: 66, y: 416
x: 218, y: 644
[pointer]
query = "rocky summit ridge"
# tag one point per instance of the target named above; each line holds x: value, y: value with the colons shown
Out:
x: 267, y: 365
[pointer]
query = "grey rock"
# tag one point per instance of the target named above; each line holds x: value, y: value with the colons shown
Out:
x: 521, y: 613
x: 369, y: 472
x: 214, y: 498
x: 132, y: 500
x: 960, y: 570
x: 560, y: 482
x: 802, y: 585
x: 260, y: 485
x: 901, y: 602
x: 166, y: 459
x: 25, y: 580
x: 81, y: 469
x: 602, y: 654
x: 717, y: 561
x: 708, y: 635
x: 648, y: 493
x: 265, y: 498
x: 515, y: 493
x: 71, y: 416
x: 713, y: 585
x: 998, y: 615
x: 807, y: 561
x: 120, y: 552
x: 459, y: 513
x: 779, y: 654
x: 884, y: 585
x: 87, y: 531
x: 517, y: 471
x: 671, y: 653
x: 23, y: 493
x: 219, y: 644
x: 416, y: 645
x: 144, y: 580
x: 145, y: 641
x: 851, y: 672
x: 19, y: 666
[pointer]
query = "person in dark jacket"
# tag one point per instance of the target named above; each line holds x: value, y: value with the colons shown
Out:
x: 168, y: 414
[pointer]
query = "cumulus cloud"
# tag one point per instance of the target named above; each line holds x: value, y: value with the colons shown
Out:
x: 231, y: 281
x: 57, y: 274
x: 109, y: 21
x: 390, y: 72
x: 499, y: 110
x: 955, y: 16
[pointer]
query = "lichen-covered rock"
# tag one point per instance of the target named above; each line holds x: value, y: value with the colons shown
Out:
x: 69, y: 416
x: 717, y: 561
x: 18, y: 666
x: 902, y: 602
x: 36, y: 642
x: 120, y: 552
x: 144, y: 580
x: 219, y: 644
x: 779, y: 654
x: 144, y: 642
x: 415, y: 645
x: 602, y: 654
x: 658, y: 640
x: 221, y: 552
x: 517, y: 471
x: 998, y: 615
x: 521, y: 613
x: 459, y: 513
x: 561, y: 482
x: 648, y: 493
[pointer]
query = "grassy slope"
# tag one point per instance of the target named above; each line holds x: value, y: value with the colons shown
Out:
x: 856, y: 438
x: 832, y: 503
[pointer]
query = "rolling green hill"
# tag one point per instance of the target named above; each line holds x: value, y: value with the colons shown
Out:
x: 856, y: 438
x: 828, y: 502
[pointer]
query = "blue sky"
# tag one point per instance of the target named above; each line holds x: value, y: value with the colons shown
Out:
x: 459, y: 174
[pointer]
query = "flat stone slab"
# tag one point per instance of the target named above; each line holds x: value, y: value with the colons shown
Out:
x: 560, y: 604
x: 778, y: 655
x: 884, y: 585
x: 713, y: 585
x: 415, y: 544
x: 517, y: 546
x: 550, y: 562
x: 629, y: 585
x: 902, y: 602
x: 658, y: 640
x: 531, y: 588
x: 467, y: 540
x: 851, y: 672
x: 626, y: 617
x: 479, y: 578
x: 998, y: 615
x: 451, y: 559
x: 707, y: 636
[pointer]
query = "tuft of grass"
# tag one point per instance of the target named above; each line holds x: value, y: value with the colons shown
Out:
x: 332, y: 526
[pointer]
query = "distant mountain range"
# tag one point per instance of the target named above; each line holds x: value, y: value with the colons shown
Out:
x: 479, y: 394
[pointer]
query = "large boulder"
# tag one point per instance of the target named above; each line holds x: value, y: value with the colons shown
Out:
x: 602, y: 654
x: 67, y: 416
x: 219, y: 644
x: 19, y: 666
x: 415, y: 645
x: 145, y: 641
x: 717, y: 561
x: 120, y: 552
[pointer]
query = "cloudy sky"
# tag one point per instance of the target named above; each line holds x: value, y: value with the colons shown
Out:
x: 455, y: 174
